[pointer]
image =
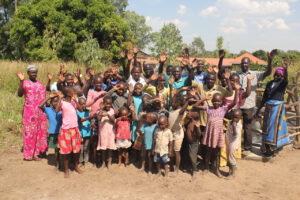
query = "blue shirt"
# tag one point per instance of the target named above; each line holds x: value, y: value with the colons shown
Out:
x: 148, y: 132
x: 84, y: 127
x: 137, y: 101
x: 55, y: 120
x: 180, y: 83
x: 200, y: 78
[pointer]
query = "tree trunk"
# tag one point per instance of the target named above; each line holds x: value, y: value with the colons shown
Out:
x: 16, y: 5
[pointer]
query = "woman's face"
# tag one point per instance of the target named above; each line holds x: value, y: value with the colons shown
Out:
x: 32, y: 75
x: 234, y: 80
x: 277, y: 76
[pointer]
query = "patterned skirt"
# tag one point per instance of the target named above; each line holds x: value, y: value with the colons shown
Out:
x: 69, y: 141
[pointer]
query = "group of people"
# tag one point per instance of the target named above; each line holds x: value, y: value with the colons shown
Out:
x: 146, y: 115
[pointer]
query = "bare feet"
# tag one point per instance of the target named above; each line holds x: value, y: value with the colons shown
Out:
x: 36, y: 158
x: 205, y: 171
x: 218, y: 174
x: 78, y: 170
x: 67, y: 175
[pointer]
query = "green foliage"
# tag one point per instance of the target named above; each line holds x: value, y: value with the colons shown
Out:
x: 197, y: 48
x: 90, y: 53
x: 261, y: 54
x: 168, y: 39
x: 50, y: 30
x: 120, y: 5
x: 220, y: 41
x: 138, y: 29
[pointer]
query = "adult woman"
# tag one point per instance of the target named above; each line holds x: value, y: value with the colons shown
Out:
x: 275, y: 133
x: 34, y: 120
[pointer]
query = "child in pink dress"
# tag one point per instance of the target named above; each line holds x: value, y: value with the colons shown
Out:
x: 213, y: 138
x: 106, y: 134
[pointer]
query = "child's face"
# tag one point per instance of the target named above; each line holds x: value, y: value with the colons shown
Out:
x: 121, y: 90
x: 236, y: 116
x: 136, y: 73
x: 169, y: 70
x: 161, y: 80
x: 175, y: 104
x: 82, y: 103
x: 193, y: 115
x: 98, y: 84
x: 70, y: 92
x: 107, y: 104
x: 217, y: 101
x: 137, y: 90
x: 124, y: 113
x: 163, y: 123
x: 234, y: 80
x: 69, y: 80
x: 54, y: 102
x: 149, y: 119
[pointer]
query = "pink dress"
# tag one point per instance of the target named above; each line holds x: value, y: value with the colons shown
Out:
x: 229, y: 100
x: 34, y: 120
x: 106, y: 134
x: 92, y: 94
x: 214, y: 128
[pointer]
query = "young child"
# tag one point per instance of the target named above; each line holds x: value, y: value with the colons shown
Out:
x: 193, y: 134
x: 148, y: 130
x: 123, y: 135
x: 94, y: 99
x: 84, y: 119
x: 119, y: 96
x: 232, y: 139
x: 106, y: 139
x: 69, y: 139
x: 213, y: 138
x: 162, y: 144
x: 55, y: 120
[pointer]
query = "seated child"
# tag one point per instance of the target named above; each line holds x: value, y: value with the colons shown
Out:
x: 55, y: 120
x: 162, y: 144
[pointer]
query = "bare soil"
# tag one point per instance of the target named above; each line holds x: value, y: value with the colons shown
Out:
x: 278, y: 179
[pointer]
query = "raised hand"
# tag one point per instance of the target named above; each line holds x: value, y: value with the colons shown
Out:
x: 116, y: 87
x: 251, y: 77
x: 272, y: 54
x: 171, y: 80
x: 74, y: 96
x: 154, y: 77
x: 49, y: 76
x: 237, y: 86
x: 60, y: 94
x: 132, y: 108
x: 92, y: 71
x: 227, y: 75
x: 216, y: 69
x: 62, y: 69
x: 114, y: 70
x: 129, y: 55
x: 184, y: 61
x: 195, y: 63
x: 162, y: 57
x: 130, y: 88
x: 221, y: 53
x: 122, y: 54
x: 192, y: 100
x: 53, y: 94
x: 61, y: 78
x: 210, y: 69
x: 135, y: 50
x: 20, y: 76
x: 77, y: 73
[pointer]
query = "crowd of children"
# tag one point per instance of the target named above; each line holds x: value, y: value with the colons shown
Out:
x: 171, y: 119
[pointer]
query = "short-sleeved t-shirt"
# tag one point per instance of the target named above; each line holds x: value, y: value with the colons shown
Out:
x: 55, y: 120
x: 175, y: 120
x: 69, y: 115
x: 180, y: 83
x: 84, y: 127
x: 200, y: 78
x: 137, y: 101
x: 148, y: 132
x: 162, y: 139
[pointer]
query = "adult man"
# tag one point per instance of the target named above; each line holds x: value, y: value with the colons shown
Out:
x: 248, y: 109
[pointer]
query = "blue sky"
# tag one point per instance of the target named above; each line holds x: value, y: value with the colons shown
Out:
x: 244, y: 24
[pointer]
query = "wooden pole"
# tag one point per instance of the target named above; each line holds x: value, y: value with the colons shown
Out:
x: 297, y: 138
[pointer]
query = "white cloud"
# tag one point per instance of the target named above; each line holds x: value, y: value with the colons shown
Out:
x: 157, y: 23
x: 278, y: 23
x: 233, y: 26
x: 210, y: 11
x: 256, y: 7
x: 181, y: 10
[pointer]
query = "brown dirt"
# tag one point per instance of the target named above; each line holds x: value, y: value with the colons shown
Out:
x: 20, y: 179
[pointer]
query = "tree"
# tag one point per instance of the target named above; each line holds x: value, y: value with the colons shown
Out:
x: 120, y: 5
x: 168, y: 39
x: 138, y: 29
x: 261, y: 54
x: 40, y: 27
x: 197, y: 48
x: 220, y: 41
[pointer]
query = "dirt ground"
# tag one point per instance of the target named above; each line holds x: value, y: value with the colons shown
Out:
x: 278, y: 179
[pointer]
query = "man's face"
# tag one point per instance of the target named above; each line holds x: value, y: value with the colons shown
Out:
x: 136, y: 73
x: 245, y: 64
x: 148, y: 70
x: 177, y: 73
x: 210, y: 80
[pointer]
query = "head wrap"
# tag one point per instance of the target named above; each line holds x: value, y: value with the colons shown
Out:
x: 280, y: 70
x: 31, y: 68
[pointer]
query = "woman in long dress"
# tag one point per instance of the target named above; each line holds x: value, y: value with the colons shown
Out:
x: 34, y: 120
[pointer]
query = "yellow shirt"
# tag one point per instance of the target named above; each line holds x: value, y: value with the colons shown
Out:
x: 204, y: 91
x: 165, y: 93
x: 162, y: 140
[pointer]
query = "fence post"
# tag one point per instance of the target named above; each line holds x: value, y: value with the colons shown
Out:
x: 297, y: 137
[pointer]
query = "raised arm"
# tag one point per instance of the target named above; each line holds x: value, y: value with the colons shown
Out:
x: 229, y: 88
x: 58, y: 106
x: 127, y: 68
x: 49, y: 82
x: 162, y: 60
x: 77, y: 104
x: 236, y: 96
x: 270, y: 58
x: 135, y: 52
x: 130, y: 97
x: 220, y: 64
x: 20, y: 89
x: 42, y: 105
x: 77, y: 75
x: 248, y: 89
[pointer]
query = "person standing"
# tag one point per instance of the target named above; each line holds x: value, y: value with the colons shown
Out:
x: 248, y: 109
x: 33, y: 119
